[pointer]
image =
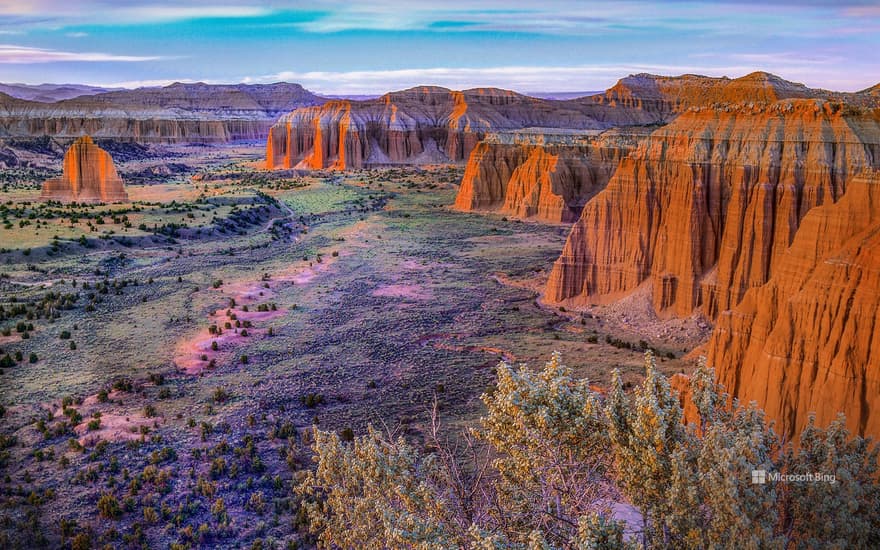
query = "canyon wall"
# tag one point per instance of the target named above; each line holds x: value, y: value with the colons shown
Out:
x: 179, y: 113
x: 422, y: 126
x: 705, y: 207
x: 89, y: 177
x: 546, y: 181
x: 809, y: 339
x: 547, y: 186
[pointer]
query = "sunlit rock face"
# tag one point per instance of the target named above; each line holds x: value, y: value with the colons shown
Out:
x: 808, y: 341
x: 531, y: 178
x: 426, y: 125
x: 705, y: 208
x: 89, y: 177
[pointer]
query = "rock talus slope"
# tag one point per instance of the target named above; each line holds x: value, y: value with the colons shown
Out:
x: 704, y: 209
x: 89, y: 177
x: 808, y: 341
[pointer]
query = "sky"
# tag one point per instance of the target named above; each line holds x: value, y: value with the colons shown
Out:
x: 350, y: 47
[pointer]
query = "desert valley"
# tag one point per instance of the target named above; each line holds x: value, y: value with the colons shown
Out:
x: 253, y: 316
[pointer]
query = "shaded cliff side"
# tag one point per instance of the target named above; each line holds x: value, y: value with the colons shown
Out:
x: 706, y: 206
x: 809, y: 339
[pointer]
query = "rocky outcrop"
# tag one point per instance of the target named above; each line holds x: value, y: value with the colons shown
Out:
x: 420, y: 126
x: 663, y: 95
x: 545, y: 188
x: 546, y: 181
x: 808, y: 341
x: 180, y: 113
x: 89, y: 177
x: 705, y: 208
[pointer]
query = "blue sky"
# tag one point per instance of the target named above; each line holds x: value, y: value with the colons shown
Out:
x: 352, y: 47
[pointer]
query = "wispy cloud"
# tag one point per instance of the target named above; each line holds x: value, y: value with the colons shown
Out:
x: 107, y: 11
x: 13, y: 54
x: 551, y: 78
x: 521, y: 78
x: 155, y: 13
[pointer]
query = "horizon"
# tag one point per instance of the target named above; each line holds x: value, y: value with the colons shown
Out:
x: 541, y: 94
x: 336, y: 48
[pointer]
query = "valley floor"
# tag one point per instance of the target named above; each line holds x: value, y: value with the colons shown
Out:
x: 366, y: 298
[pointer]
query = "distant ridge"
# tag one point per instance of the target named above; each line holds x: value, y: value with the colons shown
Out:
x: 49, y: 93
x: 180, y: 112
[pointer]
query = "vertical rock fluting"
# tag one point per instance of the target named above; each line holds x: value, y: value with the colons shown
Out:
x: 808, y: 341
x: 418, y: 126
x: 703, y: 210
x: 549, y: 182
x: 89, y: 177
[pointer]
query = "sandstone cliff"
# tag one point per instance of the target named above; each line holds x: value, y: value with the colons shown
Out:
x: 547, y: 181
x: 670, y: 94
x: 529, y: 183
x: 419, y: 126
x: 89, y: 177
x: 808, y: 340
x: 706, y: 206
x: 187, y: 113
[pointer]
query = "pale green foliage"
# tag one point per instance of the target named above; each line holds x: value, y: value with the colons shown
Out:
x: 847, y: 512
x: 549, y: 432
x: 597, y: 532
x: 646, y: 432
x: 375, y: 494
x: 563, y: 456
x: 711, y: 499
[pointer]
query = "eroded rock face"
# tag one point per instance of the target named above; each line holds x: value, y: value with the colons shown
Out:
x: 179, y: 113
x: 89, y: 177
x: 705, y: 208
x: 549, y: 182
x: 808, y: 340
x: 556, y: 190
x: 417, y: 126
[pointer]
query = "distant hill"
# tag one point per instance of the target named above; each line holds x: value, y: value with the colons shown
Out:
x: 49, y: 93
x: 180, y: 112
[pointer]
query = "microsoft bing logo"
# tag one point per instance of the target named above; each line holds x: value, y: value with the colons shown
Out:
x: 759, y: 477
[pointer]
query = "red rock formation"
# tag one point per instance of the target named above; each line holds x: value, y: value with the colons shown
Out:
x: 550, y: 182
x: 418, y: 126
x: 705, y: 208
x: 89, y: 177
x: 634, y: 100
x: 809, y: 339
x: 681, y: 388
x: 671, y: 94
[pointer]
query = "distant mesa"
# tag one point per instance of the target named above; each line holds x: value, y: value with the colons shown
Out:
x: 89, y: 177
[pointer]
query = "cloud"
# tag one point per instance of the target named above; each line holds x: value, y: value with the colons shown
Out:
x: 154, y: 13
x: 62, y: 12
x: 12, y: 54
x: 521, y: 78
x: 556, y: 78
